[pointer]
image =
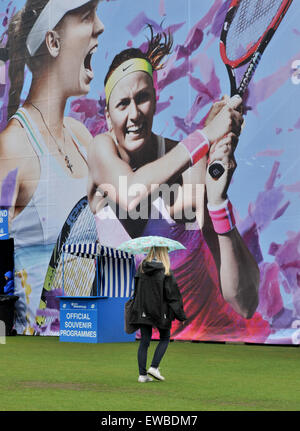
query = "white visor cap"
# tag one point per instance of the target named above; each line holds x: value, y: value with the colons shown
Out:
x: 50, y: 16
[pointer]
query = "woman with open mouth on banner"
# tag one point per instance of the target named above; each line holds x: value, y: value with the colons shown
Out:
x: 43, y: 153
x: 128, y: 167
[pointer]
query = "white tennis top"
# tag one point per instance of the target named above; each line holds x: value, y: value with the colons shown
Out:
x: 36, y: 228
x: 56, y: 193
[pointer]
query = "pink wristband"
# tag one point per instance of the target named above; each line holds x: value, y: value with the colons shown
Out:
x: 222, y: 217
x: 197, y: 145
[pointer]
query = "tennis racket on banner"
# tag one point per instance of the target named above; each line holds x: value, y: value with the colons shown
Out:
x: 79, y: 227
x: 247, y: 30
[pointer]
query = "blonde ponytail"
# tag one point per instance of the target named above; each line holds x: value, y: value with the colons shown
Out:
x: 18, y: 31
x: 161, y: 253
x: 17, y: 62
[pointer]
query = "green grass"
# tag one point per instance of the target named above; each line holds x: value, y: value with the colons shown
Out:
x: 42, y: 373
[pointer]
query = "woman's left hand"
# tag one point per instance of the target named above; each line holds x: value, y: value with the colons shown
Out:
x: 222, y: 150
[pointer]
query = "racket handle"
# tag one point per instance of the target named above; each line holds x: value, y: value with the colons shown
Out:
x: 216, y: 169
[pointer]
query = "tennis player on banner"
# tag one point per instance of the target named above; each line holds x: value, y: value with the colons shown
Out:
x: 131, y: 150
x: 43, y: 153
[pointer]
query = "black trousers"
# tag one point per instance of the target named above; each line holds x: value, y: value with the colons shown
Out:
x: 146, y: 333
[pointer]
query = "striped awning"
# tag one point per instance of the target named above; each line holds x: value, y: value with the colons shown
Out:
x: 116, y: 276
x: 115, y: 269
x: 92, y: 250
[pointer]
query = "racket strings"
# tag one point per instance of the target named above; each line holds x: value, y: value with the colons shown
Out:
x: 75, y: 272
x: 78, y: 275
x: 79, y: 272
x: 248, y: 24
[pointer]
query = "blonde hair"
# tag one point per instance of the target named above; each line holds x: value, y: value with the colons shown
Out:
x: 18, y: 30
x: 161, y: 254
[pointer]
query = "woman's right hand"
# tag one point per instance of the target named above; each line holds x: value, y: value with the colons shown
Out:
x: 224, y: 118
x: 223, y: 150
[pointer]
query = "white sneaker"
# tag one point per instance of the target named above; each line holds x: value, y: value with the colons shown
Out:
x: 144, y: 379
x: 154, y: 372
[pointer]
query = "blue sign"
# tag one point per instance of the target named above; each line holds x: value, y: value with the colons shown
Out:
x: 92, y: 319
x: 4, y: 224
x: 78, y: 321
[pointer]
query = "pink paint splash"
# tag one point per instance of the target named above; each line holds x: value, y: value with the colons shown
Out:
x: 270, y: 301
x: 139, y: 23
x: 297, y: 124
x: 293, y: 188
x: 207, y: 91
x: 219, y: 18
x: 266, y: 87
x: 162, y: 8
x: 269, y: 153
x: 285, y: 270
x: 91, y: 113
x: 203, y: 23
x: 8, y: 189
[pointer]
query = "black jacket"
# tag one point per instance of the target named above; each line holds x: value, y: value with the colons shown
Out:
x: 157, y: 299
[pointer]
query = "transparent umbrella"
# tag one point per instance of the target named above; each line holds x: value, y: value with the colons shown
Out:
x: 143, y: 244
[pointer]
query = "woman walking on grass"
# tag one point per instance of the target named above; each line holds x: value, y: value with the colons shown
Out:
x: 157, y: 302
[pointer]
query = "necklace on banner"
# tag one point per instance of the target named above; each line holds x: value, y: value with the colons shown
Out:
x: 61, y: 151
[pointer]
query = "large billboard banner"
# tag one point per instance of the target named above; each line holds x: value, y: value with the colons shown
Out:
x: 118, y: 120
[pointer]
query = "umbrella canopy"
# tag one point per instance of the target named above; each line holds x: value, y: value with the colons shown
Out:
x: 143, y: 244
